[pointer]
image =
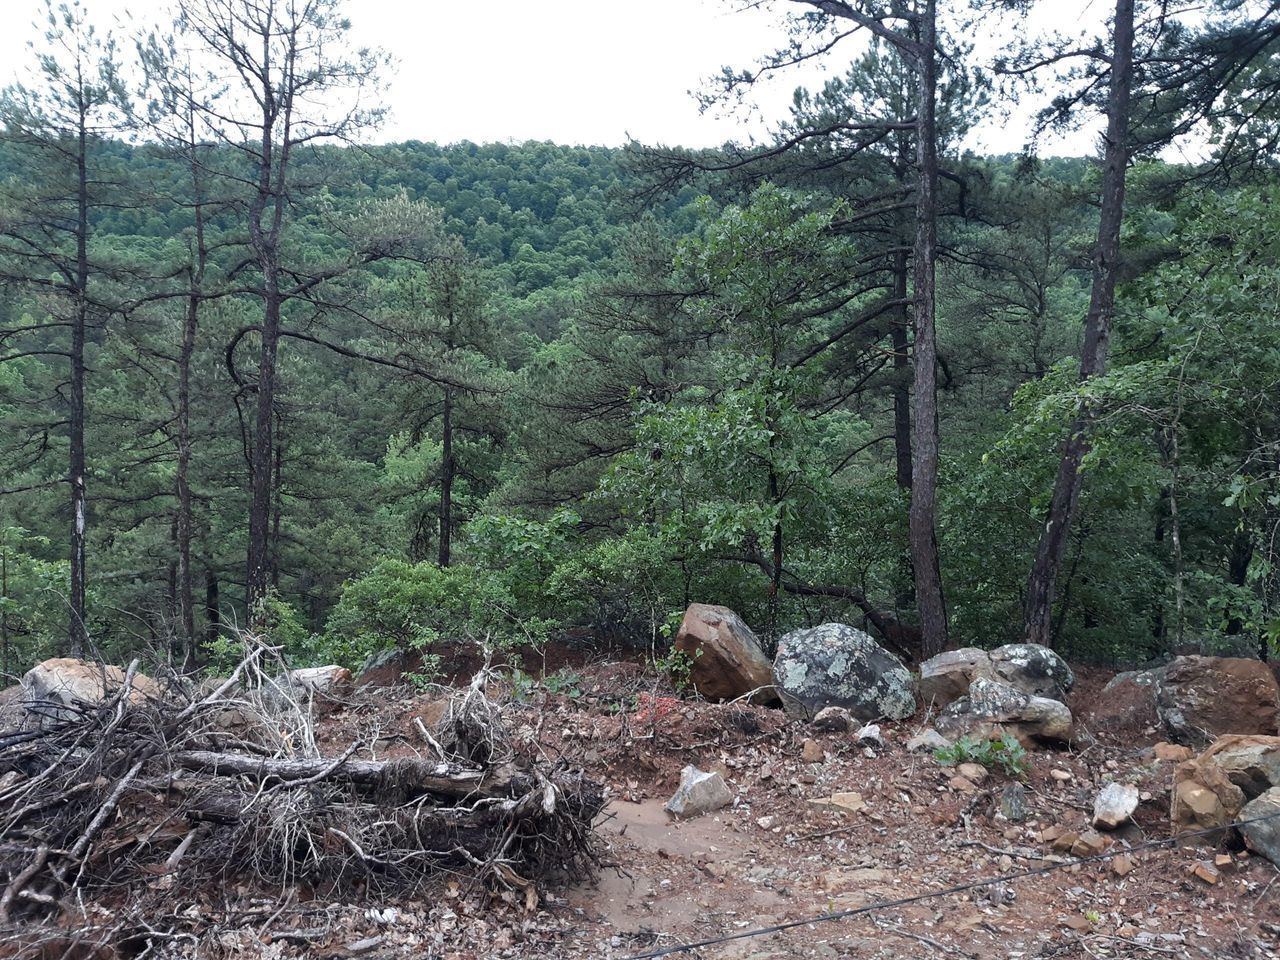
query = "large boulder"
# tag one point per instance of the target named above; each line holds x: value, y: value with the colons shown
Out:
x: 58, y: 688
x: 993, y: 708
x: 1200, y: 698
x: 1251, y: 763
x: 1125, y: 709
x: 946, y: 677
x: 728, y: 661
x: 1028, y: 667
x: 838, y: 665
x: 1033, y: 669
x: 1263, y: 835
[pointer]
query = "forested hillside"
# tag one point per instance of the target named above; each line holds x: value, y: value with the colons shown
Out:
x: 254, y: 370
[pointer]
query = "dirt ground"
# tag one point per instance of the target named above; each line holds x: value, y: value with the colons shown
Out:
x: 775, y: 856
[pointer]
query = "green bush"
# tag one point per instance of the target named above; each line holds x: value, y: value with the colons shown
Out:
x: 416, y: 606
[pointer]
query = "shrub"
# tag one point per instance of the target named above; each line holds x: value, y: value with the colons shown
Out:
x: 1005, y: 754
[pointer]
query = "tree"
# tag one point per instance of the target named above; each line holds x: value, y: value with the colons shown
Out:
x: 54, y: 130
x: 294, y: 81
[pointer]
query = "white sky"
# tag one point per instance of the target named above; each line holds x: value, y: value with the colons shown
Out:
x: 571, y: 71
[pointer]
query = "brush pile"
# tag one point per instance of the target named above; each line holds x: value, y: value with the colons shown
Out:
x: 135, y: 795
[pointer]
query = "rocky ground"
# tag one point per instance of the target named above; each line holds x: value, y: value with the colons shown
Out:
x: 903, y: 825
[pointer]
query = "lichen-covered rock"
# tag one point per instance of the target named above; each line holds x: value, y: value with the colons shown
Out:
x: 1263, y: 837
x: 54, y: 688
x: 1028, y: 667
x: 946, y: 677
x: 993, y: 708
x: 699, y: 792
x: 728, y: 661
x: 838, y: 665
x: 1201, y: 698
x: 1033, y: 669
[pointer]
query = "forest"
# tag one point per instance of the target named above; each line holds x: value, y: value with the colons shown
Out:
x: 258, y: 369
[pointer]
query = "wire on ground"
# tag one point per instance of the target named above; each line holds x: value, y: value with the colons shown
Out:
x: 947, y: 891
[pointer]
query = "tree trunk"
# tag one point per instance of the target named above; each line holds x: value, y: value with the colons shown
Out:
x: 446, y: 480
x: 902, y: 375
x: 263, y: 452
x: 1037, y: 624
x: 79, y: 635
x: 182, y: 479
x: 212, y: 613
x: 924, y: 464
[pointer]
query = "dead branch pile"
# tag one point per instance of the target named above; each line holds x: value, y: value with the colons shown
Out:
x: 145, y: 796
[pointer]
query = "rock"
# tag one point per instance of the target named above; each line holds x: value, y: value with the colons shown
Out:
x: 1125, y: 710
x: 1062, y: 776
x: 961, y: 783
x: 1114, y: 806
x: 834, y: 720
x: 1252, y: 763
x: 930, y: 740
x: 811, y: 751
x: 1122, y: 865
x: 849, y: 801
x: 1206, y: 872
x: 52, y: 689
x: 1033, y: 669
x: 1264, y: 837
x: 728, y: 661
x: 330, y: 681
x: 1013, y: 803
x: 1089, y: 844
x: 993, y: 708
x: 766, y: 823
x: 946, y: 677
x: 698, y: 793
x: 835, y: 664
x: 871, y: 736
x: 975, y: 772
x: 1200, y: 698
x: 1172, y: 752
x: 1203, y: 797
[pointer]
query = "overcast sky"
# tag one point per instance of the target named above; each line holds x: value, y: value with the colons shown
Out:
x: 572, y: 71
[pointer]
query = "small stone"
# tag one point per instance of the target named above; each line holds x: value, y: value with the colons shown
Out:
x: 1051, y: 833
x: 1078, y: 923
x: 834, y: 720
x: 928, y: 740
x: 871, y: 736
x: 975, y: 772
x: 1115, y: 805
x: 1090, y: 844
x: 698, y: 793
x: 868, y: 753
x: 766, y: 823
x: 1062, y: 776
x: 1013, y: 803
x: 1065, y: 841
x: 849, y: 801
x: 811, y: 751
x: 963, y: 784
x: 1172, y: 752
x: 1122, y: 865
x: 1206, y: 872
x: 1223, y: 861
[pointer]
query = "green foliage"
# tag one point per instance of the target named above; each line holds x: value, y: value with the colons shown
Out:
x: 1005, y: 754
x: 417, y: 606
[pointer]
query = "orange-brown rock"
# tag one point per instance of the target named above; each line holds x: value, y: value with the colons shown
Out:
x: 1201, y: 698
x: 727, y: 659
x: 1203, y: 796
